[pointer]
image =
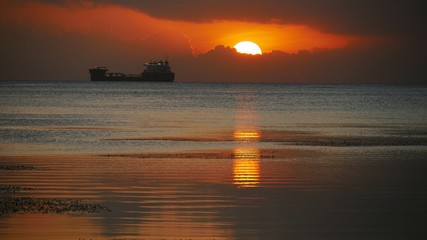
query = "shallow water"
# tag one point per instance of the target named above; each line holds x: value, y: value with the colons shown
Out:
x: 217, y: 161
x: 86, y: 117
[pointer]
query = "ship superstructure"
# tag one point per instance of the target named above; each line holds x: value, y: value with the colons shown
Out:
x: 155, y: 71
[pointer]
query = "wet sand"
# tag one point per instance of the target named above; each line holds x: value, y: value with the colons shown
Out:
x: 298, y: 138
x: 15, y: 199
x: 288, y: 193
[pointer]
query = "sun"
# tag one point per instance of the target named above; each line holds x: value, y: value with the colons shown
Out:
x: 248, y: 47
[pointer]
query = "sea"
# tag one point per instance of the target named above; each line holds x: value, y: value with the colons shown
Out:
x: 127, y: 160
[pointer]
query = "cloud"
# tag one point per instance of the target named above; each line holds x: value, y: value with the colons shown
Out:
x: 385, y: 63
x: 351, y: 17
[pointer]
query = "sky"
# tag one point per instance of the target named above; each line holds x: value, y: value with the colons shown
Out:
x: 329, y: 41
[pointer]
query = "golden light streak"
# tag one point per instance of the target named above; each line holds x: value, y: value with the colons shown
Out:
x: 246, y: 167
x: 246, y: 136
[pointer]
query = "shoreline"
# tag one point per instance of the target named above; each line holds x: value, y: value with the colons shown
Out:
x: 182, y: 191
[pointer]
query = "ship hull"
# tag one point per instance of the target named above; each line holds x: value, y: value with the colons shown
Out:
x: 116, y: 79
x: 145, y: 77
x: 157, y: 77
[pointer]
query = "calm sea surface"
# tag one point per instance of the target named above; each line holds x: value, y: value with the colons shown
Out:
x: 216, y: 161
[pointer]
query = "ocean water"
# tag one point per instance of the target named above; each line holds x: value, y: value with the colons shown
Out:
x: 216, y: 161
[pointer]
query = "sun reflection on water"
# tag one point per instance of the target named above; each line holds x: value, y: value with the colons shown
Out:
x: 246, y: 169
x: 247, y: 135
x: 246, y: 153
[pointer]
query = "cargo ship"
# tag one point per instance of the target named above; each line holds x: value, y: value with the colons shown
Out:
x: 155, y: 71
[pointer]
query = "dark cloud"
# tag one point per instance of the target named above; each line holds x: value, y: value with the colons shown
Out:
x: 356, y: 17
x: 385, y: 64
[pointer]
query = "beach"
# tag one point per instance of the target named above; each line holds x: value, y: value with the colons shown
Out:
x: 212, y: 161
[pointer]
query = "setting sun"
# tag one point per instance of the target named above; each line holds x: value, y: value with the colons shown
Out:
x: 248, y: 47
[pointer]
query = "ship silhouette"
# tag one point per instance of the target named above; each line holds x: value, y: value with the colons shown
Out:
x: 155, y: 71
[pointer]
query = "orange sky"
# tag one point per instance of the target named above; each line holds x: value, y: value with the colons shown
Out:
x: 306, y: 42
x: 128, y: 24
